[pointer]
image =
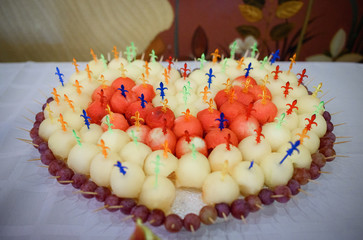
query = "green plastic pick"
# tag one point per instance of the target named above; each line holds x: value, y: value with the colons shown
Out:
x: 78, y: 139
x: 153, y: 56
x: 108, y: 123
x: 280, y: 120
x: 202, y: 60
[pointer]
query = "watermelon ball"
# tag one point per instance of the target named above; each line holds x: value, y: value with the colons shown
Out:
x: 216, y: 136
x: 158, y: 117
x: 243, y: 97
x: 107, y: 93
x: 157, y: 137
x: 96, y: 111
x: 265, y: 111
x: 140, y: 132
x: 146, y: 89
x: 257, y: 91
x: 136, y: 107
x: 119, y: 103
x: 187, y: 123
x: 220, y: 98
x: 184, y: 145
x: 241, y: 80
x: 127, y: 82
x: 118, y: 120
x: 208, y: 119
x: 243, y: 126
x: 232, y: 109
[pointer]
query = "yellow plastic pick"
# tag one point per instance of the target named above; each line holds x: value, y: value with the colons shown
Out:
x: 317, y: 89
x: 108, y: 110
x: 144, y: 80
x: 137, y: 119
x: 123, y: 70
x: 147, y: 68
x: 165, y: 105
x: 228, y: 85
x: 292, y: 62
x: 215, y: 55
x: 166, y: 149
x: 50, y: 112
x: 211, y: 105
x: 103, y: 81
x: 264, y: 96
x: 247, y: 85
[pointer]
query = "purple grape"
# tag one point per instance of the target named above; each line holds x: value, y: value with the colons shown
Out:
x: 39, y: 117
x: 328, y: 153
x: 240, y: 209
x: 37, y: 141
x: 314, y: 171
x: 265, y: 196
x: 223, y: 210
x: 43, y: 146
x: 55, y: 166
x: 294, y: 186
x: 140, y: 212
x: 318, y: 159
x: 208, y: 215
x: 330, y: 126
x: 65, y: 174
x: 102, y: 194
x: 44, y: 106
x: 47, y: 157
x: 156, y: 217
x: 112, y: 200
x: 50, y: 99
x: 284, y: 191
x: 327, y: 116
x: 254, y: 202
x: 88, y: 186
x: 173, y: 223
x: 78, y: 180
x: 127, y: 205
x: 301, y: 175
x: 191, y: 222
x: 36, y: 124
x: 34, y: 133
x: 326, y: 142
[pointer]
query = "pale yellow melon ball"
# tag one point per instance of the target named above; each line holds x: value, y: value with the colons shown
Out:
x: 220, y: 153
x: 135, y: 152
x: 198, y: 77
x: 73, y: 119
x: 275, y: 86
x: 172, y: 102
x: 258, y: 74
x: 181, y: 82
x: 301, y: 159
x: 298, y: 91
x: 97, y: 67
x: 181, y: 108
x: 81, y: 76
x: 61, y: 142
x: 308, y: 104
x: 115, y: 139
x: 219, y: 187
x: 253, y: 151
x: 291, y: 120
x: 127, y: 185
x: 312, y: 142
x: 275, y: 172
x: 276, y: 135
x: 192, y: 170
x: 288, y: 77
x: 157, y: 192
x: 55, y: 109
x: 173, y: 75
x: 280, y: 101
x: 216, y: 67
x: 101, y: 167
x: 109, y: 76
x: 116, y: 63
x: 249, y: 177
x: 80, y: 157
x: 213, y: 91
x: 155, y: 70
x: 156, y: 161
x: 134, y: 72
x: 219, y: 80
x: 92, y: 134
x: 48, y: 127
x: 319, y: 129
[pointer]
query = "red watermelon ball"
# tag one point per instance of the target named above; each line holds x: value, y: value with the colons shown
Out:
x: 232, y: 110
x: 107, y: 93
x: 257, y: 91
x: 146, y: 89
x: 192, y: 125
x: 118, y: 120
x: 216, y: 136
x: 96, y: 111
x: 240, y: 81
x: 264, y: 111
x: 119, y: 103
x: 127, y: 82
x: 140, y: 132
x: 136, y: 107
x: 243, y: 126
x: 208, y: 119
x: 156, y: 117
x: 183, y: 147
x: 156, y: 138
x: 242, y: 97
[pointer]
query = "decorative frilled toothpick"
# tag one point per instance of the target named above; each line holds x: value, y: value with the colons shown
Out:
x: 86, y: 118
x: 291, y: 150
x: 210, y: 76
x: 60, y: 76
x: 275, y: 56
x: 121, y: 167
x: 202, y: 60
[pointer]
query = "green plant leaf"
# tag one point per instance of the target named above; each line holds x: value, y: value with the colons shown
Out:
x: 280, y: 31
x: 350, y: 57
x: 337, y: 43
x: 247, y: 30
x: 288, y: 9
x: 250, y: 13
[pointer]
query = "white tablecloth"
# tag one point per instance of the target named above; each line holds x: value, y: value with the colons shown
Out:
x: 33, y: 206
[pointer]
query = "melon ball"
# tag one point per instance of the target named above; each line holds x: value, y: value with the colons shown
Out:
x: 215, y: 66
x: 115, y: 139
x: 134, y: 72
x: 198, y: 76
x: 276, y: 135
x: 288, y: 77
x: 275, y: 87
x: 187, y: 123
x: 215, y: 137
x: 319, y: 129
x: 116, y: 63
x: 184, y: 146
x: 80, y: 157
x: 181, y: 108
x: 208, y: 119
x: 135, y: 152
x: 48, y: 127
x: 110, y: 75
x: 275, y: 172
x: 157, y: 192
x: 301, y: 159
x: 243, y: 126
x: 97, y: 67
x: 73, y: 119
x: 55, y: 109
x: 192, y: 170
x: 156, y: 161
x: 219, y: 187
x: 61, y: 142
x: 190, y: 99
x: 220, y: 154
x: 101, y: 167
x: 92, y: 134
x: 312, y: 142
x: 181, y: 83
x: 264, y: 111
x: 172, y: 102
x: 157, y: 138
x: 127, y: 184
x: 81, y: 76
x: 158, y: 117
x: 308, y: 104
x: 146, y: 89
x: 249, y: 177
x: 290, y: 121
x: 140, y: 132
x: 253, y: 151
x: 117, y: 120
x: 298, y: 91
x: 281, y: 101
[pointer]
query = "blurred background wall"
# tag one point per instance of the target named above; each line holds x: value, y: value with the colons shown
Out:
x: 58, y: 30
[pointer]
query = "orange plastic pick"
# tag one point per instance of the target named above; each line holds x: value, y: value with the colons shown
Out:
x: 247, y: 85
x: 94, y: 55
x: 166, y: 149
x: 166, y: 75
x: 147, y: 68
x: 143, y: 79
x: 215, y: 55
x: 205, y: 94
x: 56, y: 96
x: 211, y: 105
x: 69, y: 101
x: 89, y: 72
x: 75, y: 65
x: 108, y: 110
x: 115, y: 52
x: 137, y: 119
x: 264, y: 96
x: 123, y: 70
x: 186, y: 114
x: 78, y: 87
x: 63, y: 123
x: 303, y: 135
x: 231, y: 96
x: 292, y: 62
x: 165, y: 105
x: 240, y: 63
x: 228, y: 85
x: 103, y: 81
x: 104, y: 148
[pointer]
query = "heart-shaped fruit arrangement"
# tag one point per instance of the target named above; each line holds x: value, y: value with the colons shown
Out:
x: 130, y: 133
